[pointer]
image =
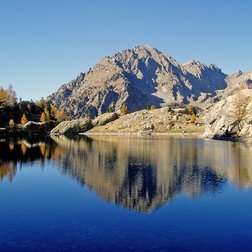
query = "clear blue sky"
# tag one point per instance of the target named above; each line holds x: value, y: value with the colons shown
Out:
x: 46, y: 43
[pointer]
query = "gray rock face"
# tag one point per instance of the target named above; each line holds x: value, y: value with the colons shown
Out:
x: 136, y: 77
x: 236, y: 81
x: 72, y: 127
x: 231, y: 118
x: 211, y: 76
x: 104, y: 119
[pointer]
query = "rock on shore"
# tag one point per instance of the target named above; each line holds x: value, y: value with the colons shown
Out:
x: 82, y: 125
x: 231, y: 118
x: 104, y: 119
x: 72, y: 127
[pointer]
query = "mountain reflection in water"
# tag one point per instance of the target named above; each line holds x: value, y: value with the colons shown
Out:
x: 138, y: 173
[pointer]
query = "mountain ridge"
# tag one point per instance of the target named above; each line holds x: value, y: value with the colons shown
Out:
x: 136, y: 77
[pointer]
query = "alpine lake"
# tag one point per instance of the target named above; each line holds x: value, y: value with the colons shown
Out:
x: 111, y: 193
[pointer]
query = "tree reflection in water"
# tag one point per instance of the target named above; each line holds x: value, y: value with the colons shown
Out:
x: 138, y: 173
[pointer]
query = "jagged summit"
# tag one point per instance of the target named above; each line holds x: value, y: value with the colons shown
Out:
x: 194, y: 62
x: 209, y: 75
x: 195, y: 65
x: 145, y: 47
x: 136, y: 77
x: 237, y: 81
x: 139, y: 49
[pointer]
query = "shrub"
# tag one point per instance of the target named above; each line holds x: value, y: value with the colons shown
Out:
x: 193, y: 118
x: 187, y: 109
x: 194, y: 110
x: 190, y: 110
x: 124, y: 109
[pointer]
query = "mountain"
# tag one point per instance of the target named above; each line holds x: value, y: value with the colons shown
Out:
x: 136, y: 77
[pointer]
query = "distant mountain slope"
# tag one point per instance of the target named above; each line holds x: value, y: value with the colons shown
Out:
x: 135, y: 77
x: 237, y: 81
x: 210, y: 76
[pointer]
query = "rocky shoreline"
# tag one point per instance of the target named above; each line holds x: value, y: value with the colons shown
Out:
x: 139, y: 134
x: 222, y: 122
x: 164, y: 121
x: 216, y: 124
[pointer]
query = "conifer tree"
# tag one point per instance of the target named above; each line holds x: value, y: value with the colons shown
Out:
x: 12, y: 96
x: 237, y: 110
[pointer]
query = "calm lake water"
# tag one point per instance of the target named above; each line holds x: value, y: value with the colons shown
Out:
x: 121, y: 194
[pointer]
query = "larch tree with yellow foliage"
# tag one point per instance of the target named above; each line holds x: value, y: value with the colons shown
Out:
x: 11, y: 123
x: 8, y: 96
x: 124, y: 109
x: 43, y: 117
x: 60, y: 116
x: 23, y: 119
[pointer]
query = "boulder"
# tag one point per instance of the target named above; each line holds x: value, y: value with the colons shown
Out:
x: 104, y: 119
x: 230, y: 119
x: 72, y: 127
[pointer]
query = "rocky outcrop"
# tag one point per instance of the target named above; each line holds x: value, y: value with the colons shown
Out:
x: 136, y: 77
x: 164, y: 120
x: 231, y: 118
x: 104, y: 119
x: 237, y: 81
x: 72, y: 127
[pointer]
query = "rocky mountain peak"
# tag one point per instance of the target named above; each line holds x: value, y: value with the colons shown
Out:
x: 197, y: 68
x: 136, y: 77
x: 239, y: 80
x: 209, y: 75
x: 195, y: 63
x: 143, y: 53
